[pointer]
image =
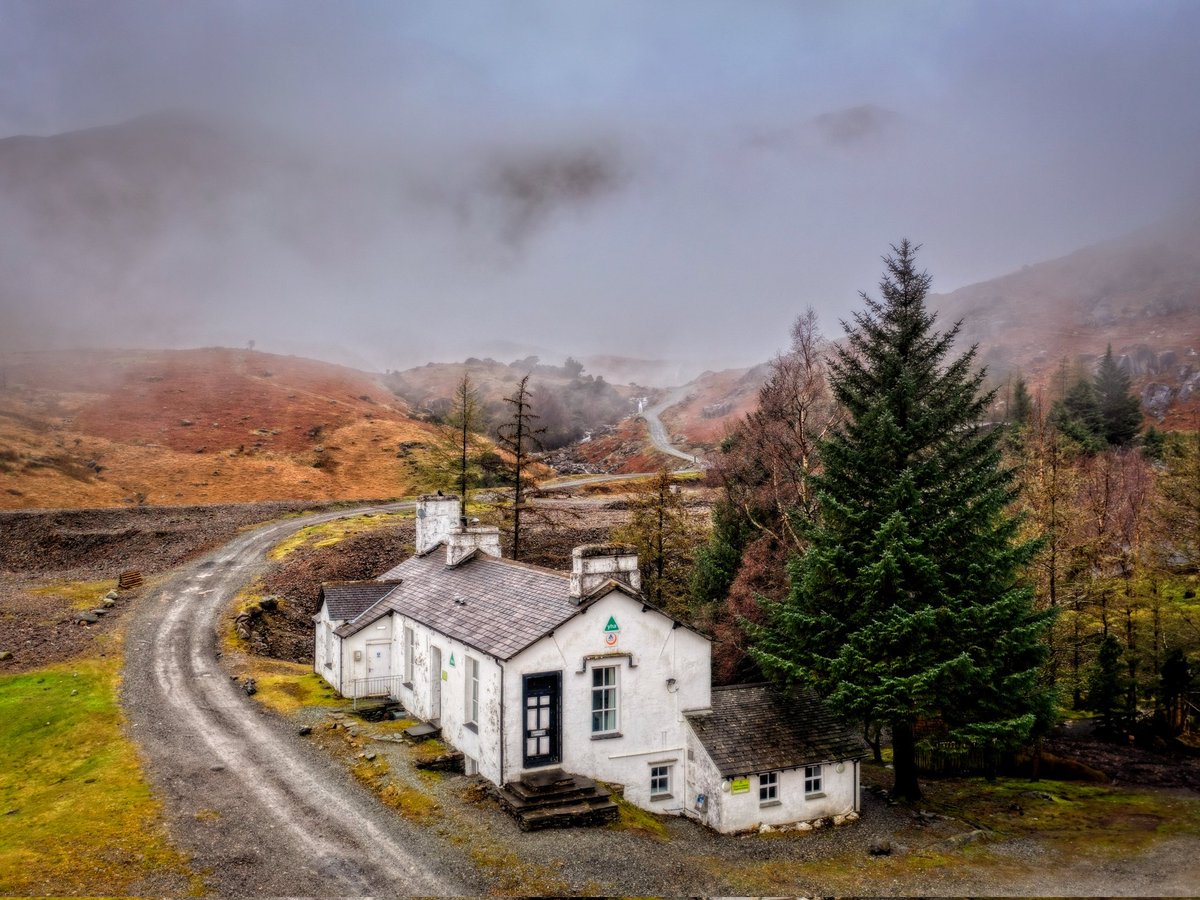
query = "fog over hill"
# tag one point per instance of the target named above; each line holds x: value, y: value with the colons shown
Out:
x: 383, y: 185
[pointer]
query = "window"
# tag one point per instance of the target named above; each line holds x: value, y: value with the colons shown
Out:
x: 604, y: 700
x: 472, y: 692
x: 768, y: 787
x: 812, y: 780
x: 660, y: 782
x: 410, y: 649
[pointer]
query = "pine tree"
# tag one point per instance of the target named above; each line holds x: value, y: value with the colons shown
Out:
x: 1021, y: 411
x: 1106, y: 687
x: 907, y: 608
x: 1120, y: 411
x: 1078, y: 416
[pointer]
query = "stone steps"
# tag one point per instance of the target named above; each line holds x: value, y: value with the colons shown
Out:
x: 556, y: 799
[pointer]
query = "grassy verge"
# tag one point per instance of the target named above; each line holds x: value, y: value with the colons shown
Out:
x: 81, y: 594
x: 76, y: 815
x: 326, y: 534
x: 286, y: 687
x: 1083, y: 819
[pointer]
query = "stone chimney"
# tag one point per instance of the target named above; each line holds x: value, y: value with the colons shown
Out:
x: 594, y: 564
x: 437, y: 515
x: 465, y: 539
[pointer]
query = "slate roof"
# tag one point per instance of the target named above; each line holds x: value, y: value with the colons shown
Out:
x: 756, y: 728
x: 505, y: 607
x: 349, y: 600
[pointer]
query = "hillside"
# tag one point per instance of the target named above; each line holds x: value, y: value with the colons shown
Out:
x: 1140, y: 293
x: 91, y: 428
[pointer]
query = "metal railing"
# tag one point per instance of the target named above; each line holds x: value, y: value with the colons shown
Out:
x: 373, y: 686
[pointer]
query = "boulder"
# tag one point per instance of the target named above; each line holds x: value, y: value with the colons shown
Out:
x: 86, y: 618
x: 250, y: 687
x: 5, y: 655
x: 880, y: 847
x: 1190, y: 387
x: 108, y: 602
x: 1156, y: 397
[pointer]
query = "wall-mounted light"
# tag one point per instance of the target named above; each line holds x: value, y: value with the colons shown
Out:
x: 672, y: 687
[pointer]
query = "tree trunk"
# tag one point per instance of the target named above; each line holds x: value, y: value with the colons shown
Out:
x: 904, y: 762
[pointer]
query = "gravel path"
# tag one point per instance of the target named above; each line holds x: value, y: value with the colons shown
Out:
x: 260, y: 811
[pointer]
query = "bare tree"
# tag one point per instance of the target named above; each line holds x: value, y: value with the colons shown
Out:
x: 464, y: 418
x: 773, y: 450
x: 519, y: 436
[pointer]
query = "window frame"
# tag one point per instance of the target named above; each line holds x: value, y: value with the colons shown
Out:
x: 471, y: 692
x: 606, y: 690
x: 814, y: 780
x: 666, y: 778
x: 410, y: 652
x: 768, y: 790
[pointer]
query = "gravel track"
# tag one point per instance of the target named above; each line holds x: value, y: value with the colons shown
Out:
x: 261, y: 811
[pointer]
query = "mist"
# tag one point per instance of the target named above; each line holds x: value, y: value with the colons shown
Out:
x: 387, y: 184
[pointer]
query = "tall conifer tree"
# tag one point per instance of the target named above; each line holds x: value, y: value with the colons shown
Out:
x: 907, y: 607
x: 1120, y: 410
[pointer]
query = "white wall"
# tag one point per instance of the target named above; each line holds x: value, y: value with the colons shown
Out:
x: 482, y: 743
x: 327, y: 663
x: 729, y: 812
x: 651, y: 725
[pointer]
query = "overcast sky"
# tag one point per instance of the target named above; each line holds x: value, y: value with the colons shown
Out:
x: 643, y: 178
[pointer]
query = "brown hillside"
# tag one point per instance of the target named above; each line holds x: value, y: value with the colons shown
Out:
x: 1139, y: 293
x: 93, y: 428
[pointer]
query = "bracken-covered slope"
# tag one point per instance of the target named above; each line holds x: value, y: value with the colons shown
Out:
x: 92, y: 428
x: 1139, y: 293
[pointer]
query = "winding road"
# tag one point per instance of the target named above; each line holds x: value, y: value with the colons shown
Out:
x: 658, y: 431
x: 254, y: 804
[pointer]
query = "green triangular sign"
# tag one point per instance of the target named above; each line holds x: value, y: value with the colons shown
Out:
x: 612, y: 624
x: 452, y: 660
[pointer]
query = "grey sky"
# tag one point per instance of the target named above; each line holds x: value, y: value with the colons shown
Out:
x: 646, y: 178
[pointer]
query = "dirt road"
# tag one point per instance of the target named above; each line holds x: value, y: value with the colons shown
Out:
x: 658, y: 431
x: 259, y: 810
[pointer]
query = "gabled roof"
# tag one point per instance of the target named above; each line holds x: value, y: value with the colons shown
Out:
x: 495, y: 605
x: 350, y: 599
x: 758, y: 728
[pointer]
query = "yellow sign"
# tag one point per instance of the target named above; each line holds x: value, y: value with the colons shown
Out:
x: 739, y: 786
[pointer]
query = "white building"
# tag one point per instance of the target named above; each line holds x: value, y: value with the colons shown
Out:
x: 526, y: 670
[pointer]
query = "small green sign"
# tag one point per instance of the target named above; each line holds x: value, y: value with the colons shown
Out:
x: 612, y: 624
x: 445, y: 675
x: 452, y: 661
x: 739, y: 786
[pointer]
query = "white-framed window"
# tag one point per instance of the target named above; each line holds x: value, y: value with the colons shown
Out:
x: 472, y: 691
x: 812, y: 779
x: 604, y: 699
x: 660, y: 781
x: 768, y: 787
x: 410, y: 651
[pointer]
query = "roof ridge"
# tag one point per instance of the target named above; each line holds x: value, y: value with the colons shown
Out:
x: 516, y: 563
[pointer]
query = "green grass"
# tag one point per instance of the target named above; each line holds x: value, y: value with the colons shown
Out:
x: 76, y: 815
x: 634, y: 818
x: 81, y: 594
x: 1088, y: 819
x: 326, y: 534
x: 286, y: 687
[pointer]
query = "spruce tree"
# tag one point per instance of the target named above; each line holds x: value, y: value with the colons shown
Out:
x: 907, y: 608
x: 1021, y: 410
x: 1120, y: 411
